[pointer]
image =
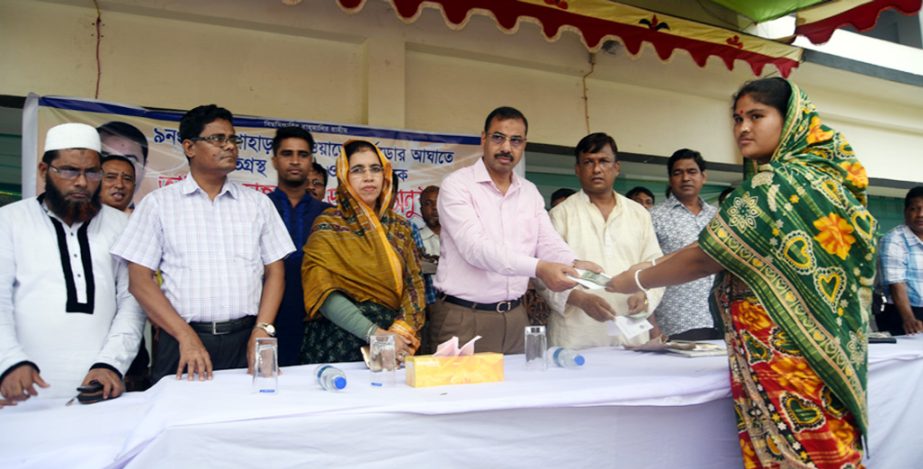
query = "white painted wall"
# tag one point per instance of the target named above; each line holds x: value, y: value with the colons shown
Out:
x: 316, y: 62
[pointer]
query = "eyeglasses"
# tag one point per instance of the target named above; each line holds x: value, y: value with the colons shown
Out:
x: 92, y: 174
x: 220, y: 139
x: 498, y: 138
x: 604, y: 164
x: 359, y: 170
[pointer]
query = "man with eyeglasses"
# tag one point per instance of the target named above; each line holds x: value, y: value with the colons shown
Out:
x: 219, y: 248
x: 66, y: 316
x: 292, y: 158
x: 317, y: 181
x: 495, y: 235
x: 606, y: 227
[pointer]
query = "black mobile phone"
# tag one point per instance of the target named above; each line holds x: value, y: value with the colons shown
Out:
x: 90, y: 393
x: 882, y: 340
x: 90, y: 398
x: 94, y: 386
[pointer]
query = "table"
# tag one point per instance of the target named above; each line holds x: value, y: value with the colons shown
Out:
x: 625, y: 409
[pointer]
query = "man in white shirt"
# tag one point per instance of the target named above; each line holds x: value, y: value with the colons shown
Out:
x: 605, y: 227
x: 64, y: 302
x: 219, y: 248
x: 429, y: 211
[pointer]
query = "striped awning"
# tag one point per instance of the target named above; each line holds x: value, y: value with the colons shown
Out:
x: 818, y: 23
x: 599, y: 21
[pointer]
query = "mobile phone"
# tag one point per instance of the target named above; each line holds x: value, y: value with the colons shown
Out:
x: 882, y: 340
x: 90, y: 393
x: 94, y: 386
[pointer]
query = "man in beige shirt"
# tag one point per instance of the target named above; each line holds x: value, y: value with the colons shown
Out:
x: 605, y: 227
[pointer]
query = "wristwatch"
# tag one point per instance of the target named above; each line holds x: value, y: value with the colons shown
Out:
x: 268, y: 328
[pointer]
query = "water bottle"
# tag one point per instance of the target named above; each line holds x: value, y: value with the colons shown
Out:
x: 330, y: 378
x: 565, y: 358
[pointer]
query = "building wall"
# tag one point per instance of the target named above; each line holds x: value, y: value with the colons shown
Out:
x: 315, y: 62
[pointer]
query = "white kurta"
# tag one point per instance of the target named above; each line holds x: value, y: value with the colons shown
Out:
x: 58, y: 309
x: 626, y: 238
x: 430, y: 241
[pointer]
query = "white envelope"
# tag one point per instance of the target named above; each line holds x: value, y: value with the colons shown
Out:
x: 628, y: 327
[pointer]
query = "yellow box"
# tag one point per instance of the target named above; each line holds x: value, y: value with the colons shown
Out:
x: 427, y: 370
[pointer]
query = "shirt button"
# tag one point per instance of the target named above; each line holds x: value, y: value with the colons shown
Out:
x: 79, y: 275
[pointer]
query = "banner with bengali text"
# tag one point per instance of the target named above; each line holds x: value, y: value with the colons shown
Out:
x: 420, y: 159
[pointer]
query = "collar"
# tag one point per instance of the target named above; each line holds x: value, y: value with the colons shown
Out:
x: 673, y: 202
x: 586, y: 198
x: 616, y: 209
x: 280, y: 194
x: 189, y: 186
x: 481, y: 175
x: 426, y: 232
x: 41, y: 202
x: 911, y: 236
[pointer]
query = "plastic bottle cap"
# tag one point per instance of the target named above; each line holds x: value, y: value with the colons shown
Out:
x: 339, y: 382
x: 579, y: 360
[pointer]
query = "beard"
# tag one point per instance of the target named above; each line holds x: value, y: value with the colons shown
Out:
x: 73, y: 212
x: 293, y: 181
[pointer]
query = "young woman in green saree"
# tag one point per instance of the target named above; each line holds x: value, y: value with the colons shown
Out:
x: 794, y: 247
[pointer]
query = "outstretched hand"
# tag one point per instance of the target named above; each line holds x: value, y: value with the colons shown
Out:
x: 625, y: 281
x: 588, y: 265
x: 555, y: 276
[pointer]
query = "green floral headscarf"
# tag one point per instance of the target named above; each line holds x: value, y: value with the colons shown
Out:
x: 798, y: 233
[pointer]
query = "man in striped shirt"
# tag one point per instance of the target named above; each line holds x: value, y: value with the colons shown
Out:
x: 901, y: 257
x: 219, y: 248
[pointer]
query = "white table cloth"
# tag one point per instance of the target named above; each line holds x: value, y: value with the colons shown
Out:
x: 624, y: 409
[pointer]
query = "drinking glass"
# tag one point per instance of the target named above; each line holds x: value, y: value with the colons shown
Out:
x: 266, y: 365
x: 383, y: 358
x: 536, y: 346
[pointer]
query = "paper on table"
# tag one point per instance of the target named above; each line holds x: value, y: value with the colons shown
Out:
x: 592, y: 280
x: 685, y: 348
x: 628, y: 327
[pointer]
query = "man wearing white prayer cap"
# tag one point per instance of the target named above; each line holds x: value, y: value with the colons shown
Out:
x: 66, y: 317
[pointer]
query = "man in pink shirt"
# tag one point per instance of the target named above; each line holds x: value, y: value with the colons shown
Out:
x: 495, y: 236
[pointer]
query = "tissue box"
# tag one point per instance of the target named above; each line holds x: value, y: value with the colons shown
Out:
x: 427, y: 370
